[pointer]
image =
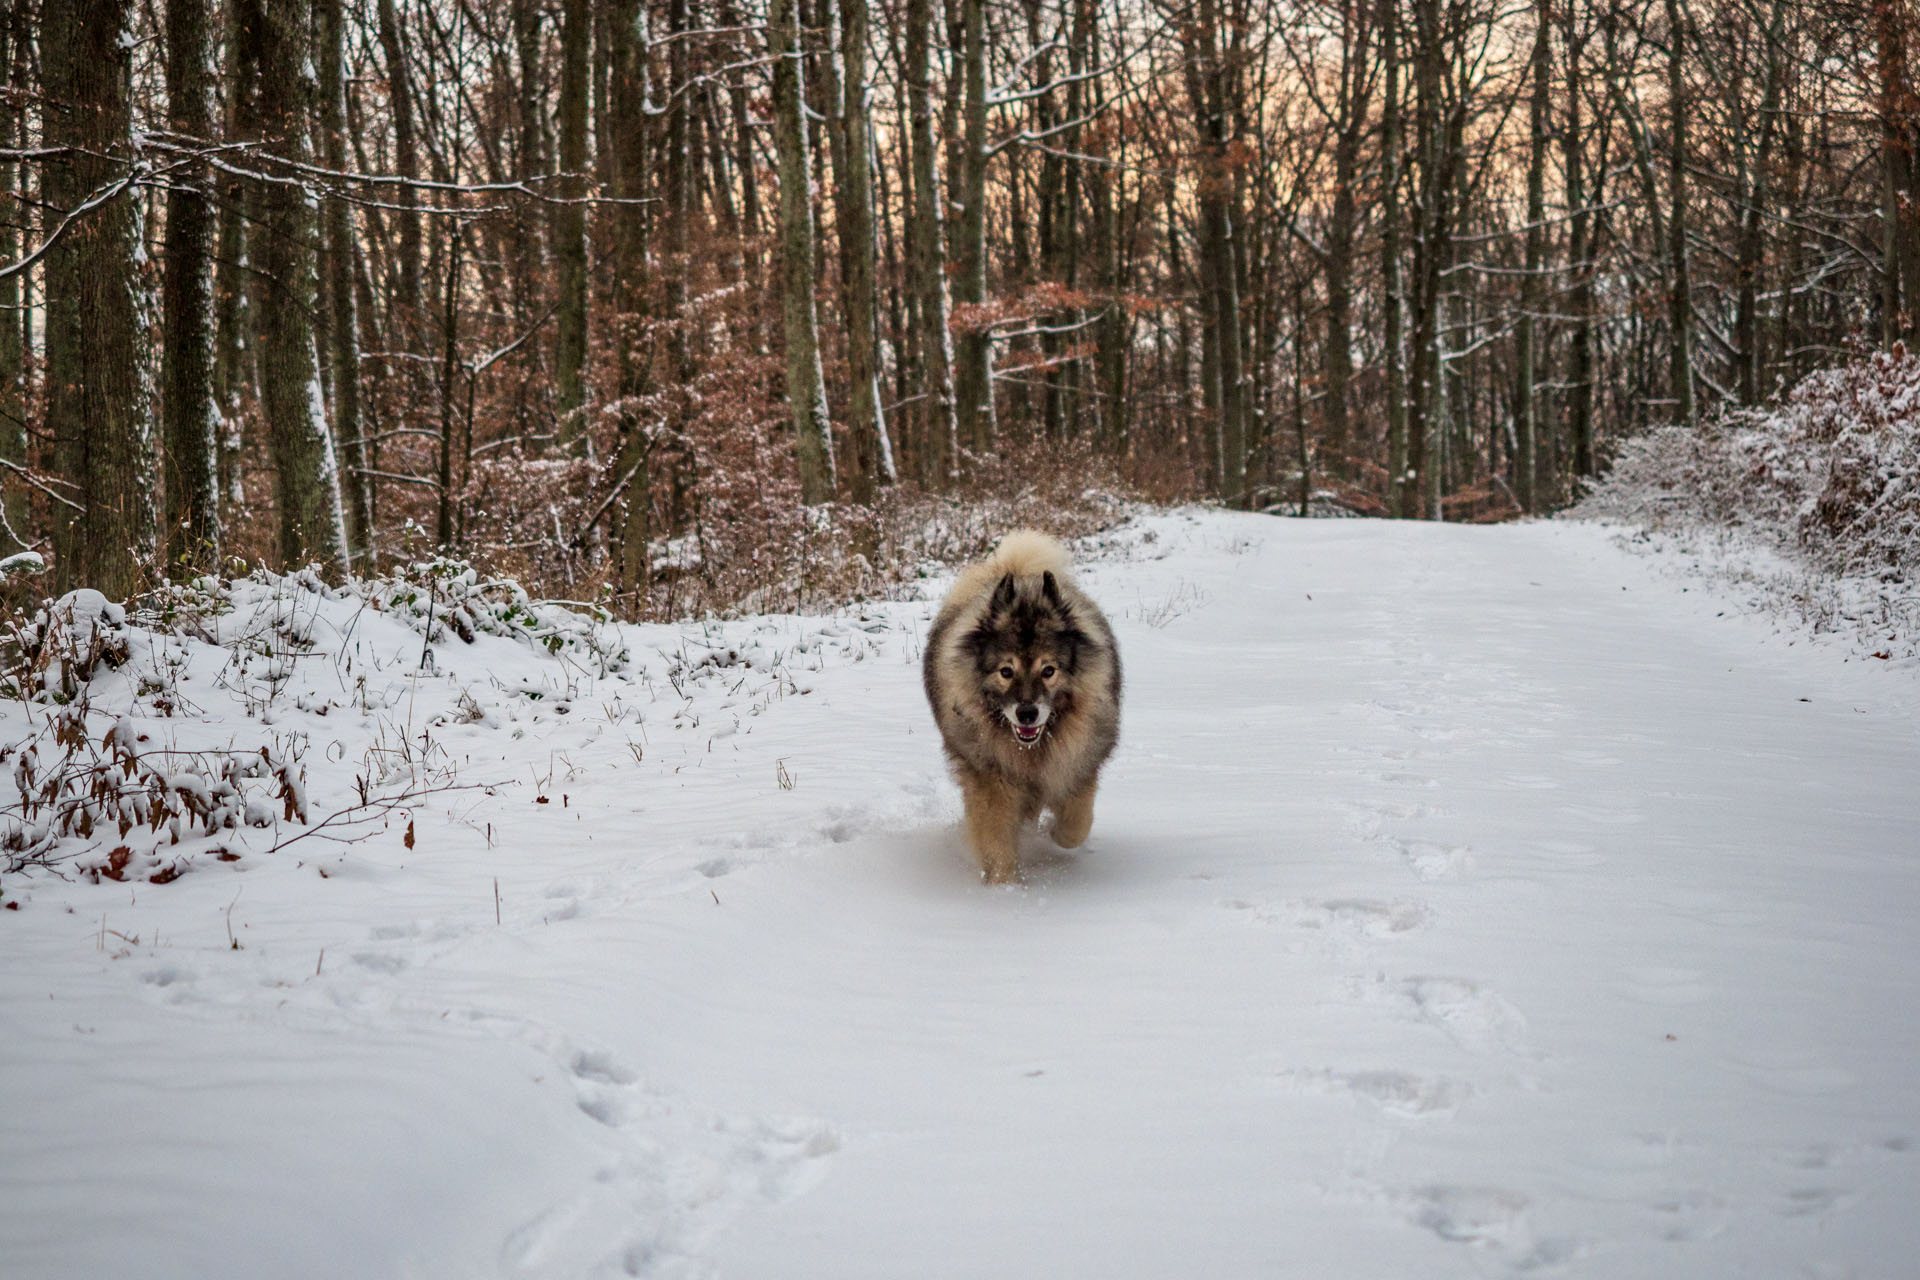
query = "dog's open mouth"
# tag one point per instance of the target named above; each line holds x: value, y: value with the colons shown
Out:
x: 1028, y: 734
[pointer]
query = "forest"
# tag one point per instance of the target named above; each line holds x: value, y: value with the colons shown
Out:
x: 656, y: 303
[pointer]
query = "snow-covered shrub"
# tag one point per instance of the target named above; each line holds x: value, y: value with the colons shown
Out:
x: 1861, y: 424
x: 21, y: 563
x: 1832, y: 472
x: 444, y: 599
x: 57, y: 651
x: 114, y: 806
x: 1811, y: 506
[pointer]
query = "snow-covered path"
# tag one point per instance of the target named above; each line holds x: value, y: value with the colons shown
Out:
x: 1460, y: 902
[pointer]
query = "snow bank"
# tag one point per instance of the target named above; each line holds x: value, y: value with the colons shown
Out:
x: 1813, y: 504
x: 221, y: 720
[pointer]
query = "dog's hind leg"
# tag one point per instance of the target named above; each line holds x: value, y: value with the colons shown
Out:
x: 1073, y: 818
x: 993, y: 827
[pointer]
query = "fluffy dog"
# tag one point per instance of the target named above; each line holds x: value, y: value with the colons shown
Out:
x: 1024, y: 681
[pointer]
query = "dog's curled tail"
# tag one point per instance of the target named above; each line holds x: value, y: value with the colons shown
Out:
x: 1026, y: 552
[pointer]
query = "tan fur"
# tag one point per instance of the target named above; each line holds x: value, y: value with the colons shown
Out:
x: 1006, y: 784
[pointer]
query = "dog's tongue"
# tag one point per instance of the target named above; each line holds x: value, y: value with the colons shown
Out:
x: 1027, y: 733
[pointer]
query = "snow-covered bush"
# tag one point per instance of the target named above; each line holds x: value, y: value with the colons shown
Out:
x: 444, y: 598
x: 52, y: 655
x: 115, y: 806
x: 1833, y: 472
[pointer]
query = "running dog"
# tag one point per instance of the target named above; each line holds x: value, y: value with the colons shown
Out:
x: 1024, y: 681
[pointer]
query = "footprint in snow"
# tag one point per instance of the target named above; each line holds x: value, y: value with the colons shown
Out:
x: 1400, y: 1094
x: 1472, y: 1215
x: 1432, y: 861
x: 1693, y: 1214
x: 1811, y: 1202
x: 1371, y: 919
x: 1479, y: 1020
x: 685, y: 1174
x: 602, y: 1086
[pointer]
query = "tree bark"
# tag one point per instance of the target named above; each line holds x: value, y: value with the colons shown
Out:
x: 1349, y: 127
x: 98, y: 376
x: 306, y: 475
x: 16, y: 509
x: 406, y: 164
x: 973, y: 371
x: 1580, y: 249
x: 1209, y: 91
x: 1533, y: 290
x: 187, y: 404
x: 1756, y: 164
x: 1399, y: 476
x: 940, y: 430
x: 1679, y: 287
x: 342, y: 313
x: 1900, y: 158
x: 806, y: 384
x: 871, y: 456
x: 627, y: 102
x: 570, y: 230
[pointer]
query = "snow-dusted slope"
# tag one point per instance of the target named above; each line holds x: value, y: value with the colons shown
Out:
x: 1460, y: 901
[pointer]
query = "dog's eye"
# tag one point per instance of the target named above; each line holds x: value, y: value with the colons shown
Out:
x: 1046, y: 673
x: 1006, y: 673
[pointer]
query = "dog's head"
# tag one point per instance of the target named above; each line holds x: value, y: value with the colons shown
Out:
x: 1028, y: 651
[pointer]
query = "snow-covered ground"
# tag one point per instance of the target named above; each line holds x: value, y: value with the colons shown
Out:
x: 1459, y: 902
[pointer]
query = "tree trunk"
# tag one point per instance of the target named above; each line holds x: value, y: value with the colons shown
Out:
x: 1349, y: 127
x: 1209, y: 91
x: 16, y: 509
x: 342, y: 317
x: 806, y: 384
x: 973, y: 372
x: 306, y: 477
x: 743, y: 145
x: 627, y: 102
x: 98, y: 376
x: 1679, y: 289
x: 233, y: 365
x: 570, y: 230
x: 1756, y: 164
x: 529, y: 248
x: 679, y: 175
x: 871, y: 460
x: 940, y: 432
x: 406, y: 164
x: 1427, y: 417
x: 1900, y: 157
x: 1399, y: 477
x: 1580, y: 249
x: 187, y: 405
x: 1533, y: 286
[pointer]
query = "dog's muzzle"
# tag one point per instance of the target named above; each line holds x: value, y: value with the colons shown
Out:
x: 1028, y: 721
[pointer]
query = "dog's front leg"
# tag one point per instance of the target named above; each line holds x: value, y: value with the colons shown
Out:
x: 1073, y: 818
x: 993, y: 827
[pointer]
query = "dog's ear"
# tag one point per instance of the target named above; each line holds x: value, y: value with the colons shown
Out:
x: 1002, y: 595
x: 1051, y: 589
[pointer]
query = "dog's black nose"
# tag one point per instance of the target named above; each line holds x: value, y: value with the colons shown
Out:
x: 1027, y: 713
